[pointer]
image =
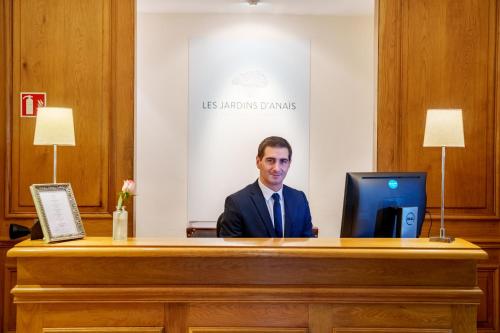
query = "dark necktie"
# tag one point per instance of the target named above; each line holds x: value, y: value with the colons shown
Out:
x: 278, y: 223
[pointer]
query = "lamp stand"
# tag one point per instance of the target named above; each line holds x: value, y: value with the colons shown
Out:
x: 442, y: 231
x: 55, y: 165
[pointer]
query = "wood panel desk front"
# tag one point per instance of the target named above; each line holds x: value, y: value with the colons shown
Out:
x: 254, y: 285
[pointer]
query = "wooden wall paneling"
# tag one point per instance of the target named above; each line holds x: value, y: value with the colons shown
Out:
x: 8, y: 279
x: 3, y: 290
x: 444, y: 54
x: 448, y: 59
x: 87, y: 63
x: 488, y: 282
x: 472, y: 229
x: 5, y: 100
x: 8, y: 301
x: 389, y: 87
x: 70, y: 60
x: 82, y: 54
x: 448, y: 62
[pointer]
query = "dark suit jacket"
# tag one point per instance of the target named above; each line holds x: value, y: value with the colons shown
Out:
x: 246, y: 214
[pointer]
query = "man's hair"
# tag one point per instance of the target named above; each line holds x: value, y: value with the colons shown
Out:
x: 274, y: 141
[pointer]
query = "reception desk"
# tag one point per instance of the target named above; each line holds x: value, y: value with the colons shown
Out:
x: 247, y: 285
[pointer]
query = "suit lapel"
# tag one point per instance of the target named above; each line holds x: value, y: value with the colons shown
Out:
x: 260, y: 204
x: 288, y: 211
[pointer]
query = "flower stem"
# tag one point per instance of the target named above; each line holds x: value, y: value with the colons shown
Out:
x: 120, y: 201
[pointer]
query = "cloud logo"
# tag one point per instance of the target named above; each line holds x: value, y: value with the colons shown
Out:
x: 251, y: 79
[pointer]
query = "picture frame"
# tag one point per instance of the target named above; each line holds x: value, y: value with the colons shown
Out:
x: 57, y: 211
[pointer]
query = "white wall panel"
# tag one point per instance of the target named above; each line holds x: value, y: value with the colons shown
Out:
x: 341, y: 113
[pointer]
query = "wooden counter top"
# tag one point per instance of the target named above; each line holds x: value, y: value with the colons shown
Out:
x: 236, y: 247
x: 202, y: 285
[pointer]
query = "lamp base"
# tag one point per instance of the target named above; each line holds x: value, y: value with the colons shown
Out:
x: 442, y: 239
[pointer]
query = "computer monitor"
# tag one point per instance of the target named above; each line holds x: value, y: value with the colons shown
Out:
x: 384, y: 204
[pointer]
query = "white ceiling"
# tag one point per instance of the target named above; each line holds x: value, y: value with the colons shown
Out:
x: 295, y: 7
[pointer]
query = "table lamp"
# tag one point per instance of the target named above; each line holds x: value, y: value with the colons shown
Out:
x: 443, y: 128
x: 54, y: 126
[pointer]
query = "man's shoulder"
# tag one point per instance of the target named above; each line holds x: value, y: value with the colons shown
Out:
x: 244, y: 192
x: 289, y: 189
x: 291, y: 192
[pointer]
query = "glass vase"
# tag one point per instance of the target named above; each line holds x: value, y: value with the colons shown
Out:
x: 120, y: 224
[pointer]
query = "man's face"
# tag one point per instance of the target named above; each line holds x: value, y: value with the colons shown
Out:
x: 273, y: 167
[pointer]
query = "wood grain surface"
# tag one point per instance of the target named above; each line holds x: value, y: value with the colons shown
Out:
x: 250, y: 286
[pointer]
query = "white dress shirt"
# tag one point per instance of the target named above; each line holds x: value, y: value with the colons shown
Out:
x: 267, y: 192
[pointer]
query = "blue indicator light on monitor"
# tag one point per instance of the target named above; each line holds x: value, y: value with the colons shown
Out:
x: 393, y: 184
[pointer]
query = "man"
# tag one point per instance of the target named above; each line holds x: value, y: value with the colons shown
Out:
x: 267, y: 208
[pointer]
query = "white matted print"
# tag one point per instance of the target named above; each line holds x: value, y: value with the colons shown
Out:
x: 241, y: 91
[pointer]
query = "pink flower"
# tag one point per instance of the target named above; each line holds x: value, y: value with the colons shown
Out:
x: 128, y: 189
x: 128, y: 186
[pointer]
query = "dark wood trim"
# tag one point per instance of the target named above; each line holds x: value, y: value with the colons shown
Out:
x: 389, y: 89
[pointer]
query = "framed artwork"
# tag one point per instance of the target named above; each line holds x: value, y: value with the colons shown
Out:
x: 57, y: 211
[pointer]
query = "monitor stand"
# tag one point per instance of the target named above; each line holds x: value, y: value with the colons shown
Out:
x: 397, y: 222
x: 407, y: 222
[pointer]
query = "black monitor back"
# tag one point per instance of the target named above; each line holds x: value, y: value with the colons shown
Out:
x: 371, y: 200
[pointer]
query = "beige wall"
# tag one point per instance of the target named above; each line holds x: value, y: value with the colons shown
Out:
x: 341, y: 110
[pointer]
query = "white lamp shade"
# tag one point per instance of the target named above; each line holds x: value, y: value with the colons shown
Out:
x: 444, y: 128
x: 54, y: 126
